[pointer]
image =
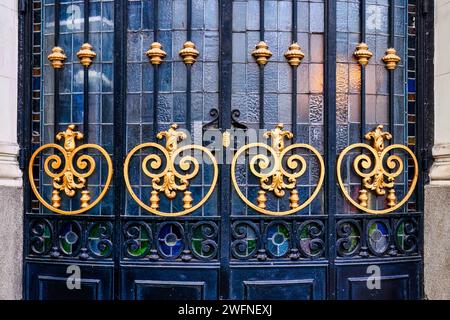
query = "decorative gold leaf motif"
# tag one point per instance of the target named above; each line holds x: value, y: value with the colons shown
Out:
x: 69, y: 179
x: 169, y: 181
x: 375, y: 176
x: 277, y: 179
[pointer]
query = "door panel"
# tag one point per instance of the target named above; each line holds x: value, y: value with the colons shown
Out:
x: 195, y: 282
x: 267, y: 282
x: 47, y: 281
x: 398, y: 281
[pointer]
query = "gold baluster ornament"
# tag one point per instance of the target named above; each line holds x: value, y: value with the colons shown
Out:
x: 85, y: 198
x: 294, y: 199
x: 363, y: 198
x: 262, y: 199
x: 154, y: 200
x: 56, y: 199
x: 187, y: 200
x: 391, y: 198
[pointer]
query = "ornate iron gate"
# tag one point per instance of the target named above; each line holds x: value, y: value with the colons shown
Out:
x: 331, y: 192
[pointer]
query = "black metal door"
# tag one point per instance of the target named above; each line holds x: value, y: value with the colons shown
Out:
x: 301, y: 213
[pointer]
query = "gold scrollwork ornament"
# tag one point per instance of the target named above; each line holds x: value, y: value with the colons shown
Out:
x: 170, y: 181
x: 379, y: 179
x: 69, y: 180
x: 278, y: 179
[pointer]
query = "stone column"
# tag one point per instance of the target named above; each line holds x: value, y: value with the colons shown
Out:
x: 11, y: 208
x: 437, y: 193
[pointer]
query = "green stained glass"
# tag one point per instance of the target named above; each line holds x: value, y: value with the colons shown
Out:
x: 142, y: 243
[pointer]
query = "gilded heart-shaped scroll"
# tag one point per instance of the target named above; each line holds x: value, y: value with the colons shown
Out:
x: 69, y: 168
x: 170, y: 169
x: 378, y: 167
x: 277, y: 168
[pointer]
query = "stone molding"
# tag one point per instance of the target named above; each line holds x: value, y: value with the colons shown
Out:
x: 440, y: 171
x: 10, y: 174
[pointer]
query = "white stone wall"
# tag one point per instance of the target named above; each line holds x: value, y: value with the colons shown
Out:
x: 10, y: 174
x: 11, y: 207
x: 440, y: 172
x: 437, y: 194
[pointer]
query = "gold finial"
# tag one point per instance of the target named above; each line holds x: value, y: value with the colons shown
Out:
x: 391, y: 198
x: 156, y: 54
x: 69, y: 137
x: 378, y: 137
x: 85, y: 198
x: 363, y: 198
x: 187, y: 200
x: 278, y: 135
x: 294, y: 199
x: 172, y: 137
x: 262, y: 53
x: 86, y: 55
x: 57, y: 57
x: 294, y: 55
x: 154, y: 200
x: 189, y: 53
x: 56, y: 199
x: 362, y: 54
x: 262, y: 199
x: 391, y: 59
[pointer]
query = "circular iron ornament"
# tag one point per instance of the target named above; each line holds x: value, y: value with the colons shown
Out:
x: 170, y: 240
x: 264, y: 161
x: 70, y: 238
x: 99, y: 239
x: 246, y: 239
x: 375, y: 179
x: 65, y: 179
x: 138, y: 239
x: 41, y: 233
x: 170, y: 174
x: 406, y: 235
x: 348, y: 240
x: 278, y: 239
x: 378, y: 237
x: 202, y: 240
x: 312, y: 245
